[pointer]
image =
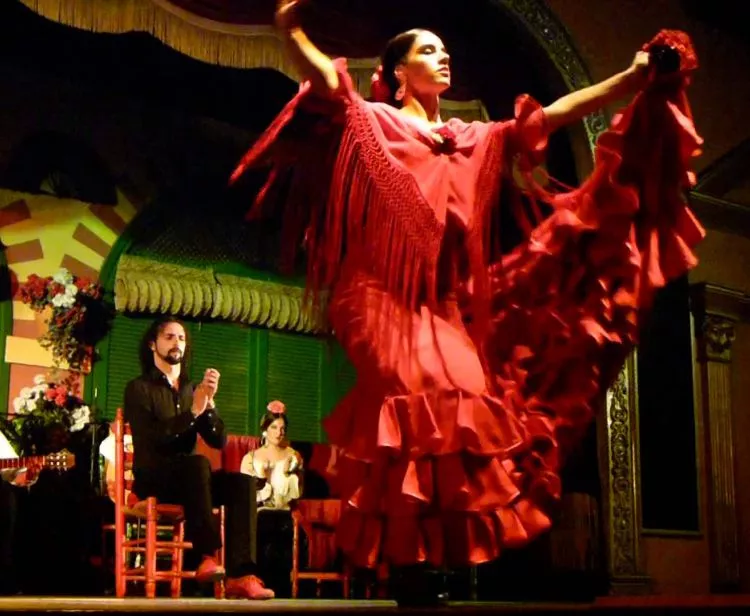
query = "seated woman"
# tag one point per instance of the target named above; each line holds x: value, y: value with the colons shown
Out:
x: 275, y: 463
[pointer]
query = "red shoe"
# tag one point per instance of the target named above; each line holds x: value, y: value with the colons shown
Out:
x: 247, y: 587
x: 209, y: 571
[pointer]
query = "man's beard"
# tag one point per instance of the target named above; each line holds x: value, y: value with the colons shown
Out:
x: 173, y: 357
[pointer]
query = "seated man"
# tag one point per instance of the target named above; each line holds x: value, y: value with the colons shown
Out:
x: 166, y: 415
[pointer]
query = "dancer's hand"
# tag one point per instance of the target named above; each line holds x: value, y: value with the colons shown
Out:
x: 285, y: 14
x: 639, y: 68
x: 313, y: 65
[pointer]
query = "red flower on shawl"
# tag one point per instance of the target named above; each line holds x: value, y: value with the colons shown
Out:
x: 446, y: 142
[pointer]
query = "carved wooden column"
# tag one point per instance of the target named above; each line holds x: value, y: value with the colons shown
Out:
x: 621, y: 494
x: 717, y: 310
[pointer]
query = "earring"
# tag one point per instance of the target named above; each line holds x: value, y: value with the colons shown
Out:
x: 401, y: 92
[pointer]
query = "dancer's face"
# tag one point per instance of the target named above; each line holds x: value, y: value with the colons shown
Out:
x: 276, y: 432
x: 426, y: 68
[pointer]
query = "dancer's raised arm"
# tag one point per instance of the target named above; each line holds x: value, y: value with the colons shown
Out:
x: 574, y: 106
x: 313, y: 65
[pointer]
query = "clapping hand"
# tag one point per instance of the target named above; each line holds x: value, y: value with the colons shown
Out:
x: 203, y: 397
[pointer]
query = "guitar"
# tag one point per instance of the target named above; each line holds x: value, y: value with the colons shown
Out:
x: 58, y: 461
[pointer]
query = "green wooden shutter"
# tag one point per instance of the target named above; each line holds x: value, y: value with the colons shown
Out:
x: 122, y: 362
x: 227, y: 348
x: 257, y: 365
x: 339, y: 377
x: 294, y: 376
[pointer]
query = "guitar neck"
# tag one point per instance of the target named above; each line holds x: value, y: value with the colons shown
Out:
x: 23, y: 462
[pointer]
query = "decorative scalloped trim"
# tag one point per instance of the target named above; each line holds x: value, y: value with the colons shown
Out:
x: 256, y: 46
x: 144, y: 285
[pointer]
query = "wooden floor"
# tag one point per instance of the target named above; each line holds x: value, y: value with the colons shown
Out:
x: 605, y: 606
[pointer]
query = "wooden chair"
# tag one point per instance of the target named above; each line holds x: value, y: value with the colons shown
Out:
x: 318, y: 520
x: 151, y: 519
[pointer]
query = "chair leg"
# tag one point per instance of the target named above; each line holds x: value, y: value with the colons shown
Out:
x: 295, y: 557
x: 220, y: 587
x: 120, y: 560
x: 176, y: 582
x: 104, y: 549
x: 150, y: 564
x: 346, y: 585
x: 382, y: 580
x: 181, y: 555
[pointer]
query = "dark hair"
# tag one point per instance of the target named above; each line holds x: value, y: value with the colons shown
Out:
x: 146, y: 354
x: 395, y: 53
x: 269, y: 418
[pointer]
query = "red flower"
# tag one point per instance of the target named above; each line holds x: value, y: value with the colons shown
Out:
x: 82, y: 283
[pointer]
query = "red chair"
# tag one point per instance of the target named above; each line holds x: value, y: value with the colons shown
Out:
x: 318, y: 519
x: 236, y: 448
x: 156, y: 518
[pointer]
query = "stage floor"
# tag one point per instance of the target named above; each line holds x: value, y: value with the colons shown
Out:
x: 609, y: 606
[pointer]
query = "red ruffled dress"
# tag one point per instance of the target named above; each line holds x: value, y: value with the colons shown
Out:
x: 475, y: 368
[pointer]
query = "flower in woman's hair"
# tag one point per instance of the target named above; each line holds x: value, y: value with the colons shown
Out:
x: 379, y: 90
x: 277, y: 407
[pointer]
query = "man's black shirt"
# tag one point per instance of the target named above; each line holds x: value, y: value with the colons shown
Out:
x: 162, y: 422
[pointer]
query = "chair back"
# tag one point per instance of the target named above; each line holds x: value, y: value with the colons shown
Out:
x: 112, y: 469
x: 235, y: 449
x: 319, y: 518
x: 123, y: 462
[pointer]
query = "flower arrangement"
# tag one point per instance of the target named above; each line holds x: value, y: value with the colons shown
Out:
x: 46, y: 414
x: 73, y: 309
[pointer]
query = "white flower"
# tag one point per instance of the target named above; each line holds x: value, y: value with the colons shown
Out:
x: 71, y: 289
x: 31, y: 404
x: 18, y: 404
x: 38, y: 390
x: 63, y: 300
x: 25, y: 392
x: 40, y: 379
x: 63, y: 276
x: 81, y: 416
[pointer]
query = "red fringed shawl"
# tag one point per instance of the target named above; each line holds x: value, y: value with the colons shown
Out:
x: 369, y: 188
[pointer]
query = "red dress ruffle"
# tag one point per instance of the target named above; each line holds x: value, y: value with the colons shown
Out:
x: 476, y: 370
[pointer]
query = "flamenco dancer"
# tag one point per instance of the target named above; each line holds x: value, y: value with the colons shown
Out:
x: 477, y: 368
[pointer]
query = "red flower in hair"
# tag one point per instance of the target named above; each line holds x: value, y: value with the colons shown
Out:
x: 277, y: 407
x: 379, y: 90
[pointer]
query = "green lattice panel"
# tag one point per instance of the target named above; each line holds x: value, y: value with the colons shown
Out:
x: 295, y: 377
x: 226, y: 347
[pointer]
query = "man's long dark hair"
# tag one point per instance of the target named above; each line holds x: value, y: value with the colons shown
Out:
x: 146, y: 355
